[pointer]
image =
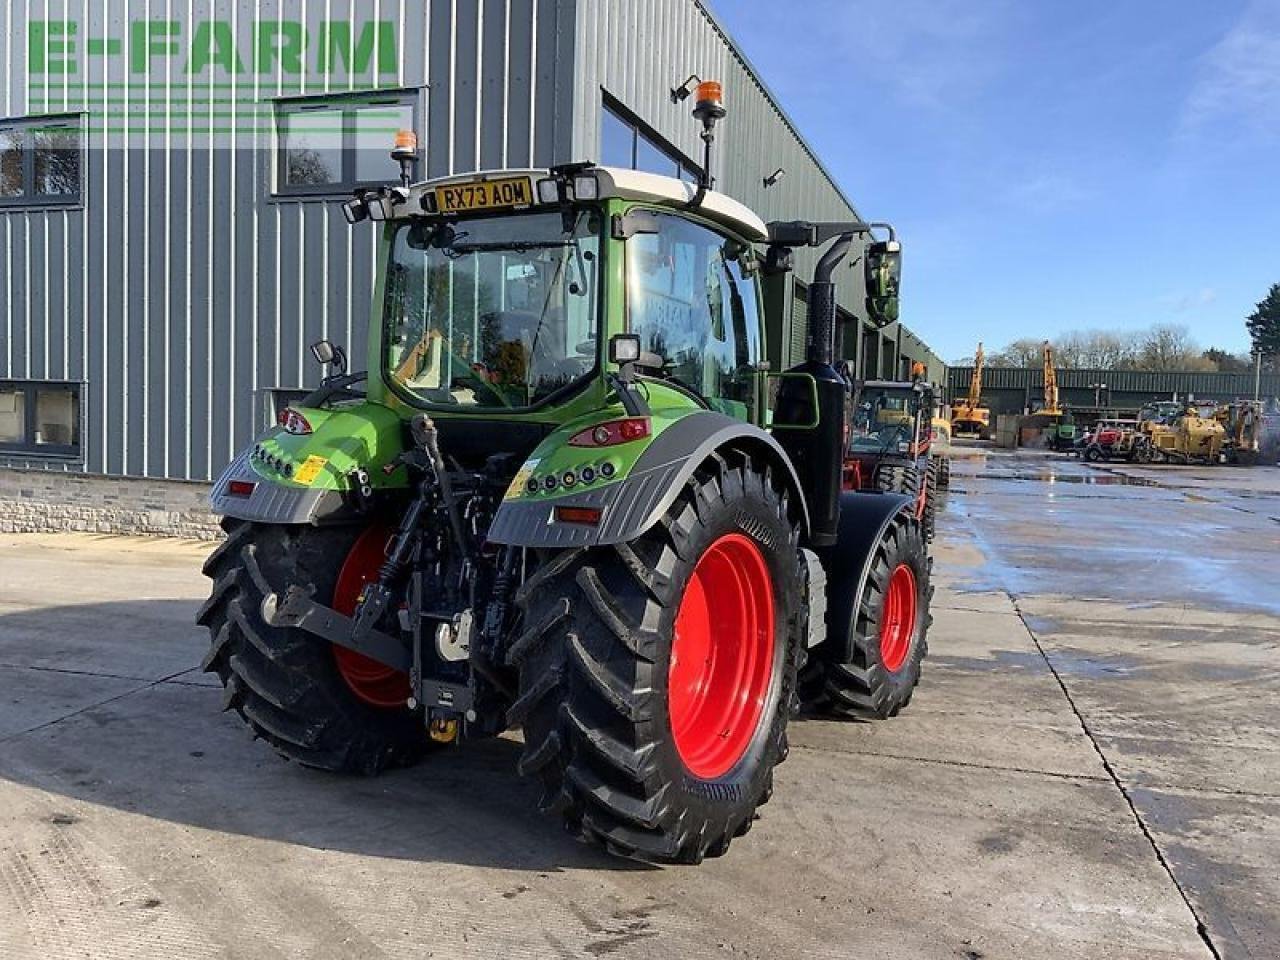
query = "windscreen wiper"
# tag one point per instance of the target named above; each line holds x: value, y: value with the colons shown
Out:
x: 513, y: 246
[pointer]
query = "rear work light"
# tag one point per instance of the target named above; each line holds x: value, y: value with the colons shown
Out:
x: 241, y: 488
x: 612, y: 433
x: 294, y: 422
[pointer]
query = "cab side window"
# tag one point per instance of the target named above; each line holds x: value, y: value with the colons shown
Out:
x: 693, y: 306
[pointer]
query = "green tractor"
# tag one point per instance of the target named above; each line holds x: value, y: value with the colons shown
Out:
x: 569, y: 498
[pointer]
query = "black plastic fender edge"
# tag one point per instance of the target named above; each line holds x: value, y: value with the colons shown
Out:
x: 632, y: 506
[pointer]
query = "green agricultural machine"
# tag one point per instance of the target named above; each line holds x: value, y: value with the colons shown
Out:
x: 569, y: 498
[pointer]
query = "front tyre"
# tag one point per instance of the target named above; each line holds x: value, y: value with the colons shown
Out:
x: 869, y: 664
x: 656, y: 676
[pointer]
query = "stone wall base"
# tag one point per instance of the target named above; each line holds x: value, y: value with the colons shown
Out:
x: 33, y: 501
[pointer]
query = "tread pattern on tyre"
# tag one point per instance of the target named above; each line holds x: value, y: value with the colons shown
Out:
x: 592, y: 678
x: 928, y: 522
x: 851, y: 682
x: 284, y: 683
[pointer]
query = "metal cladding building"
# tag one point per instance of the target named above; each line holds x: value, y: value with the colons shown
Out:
x: 1017, y: 389
x: 169, y: 237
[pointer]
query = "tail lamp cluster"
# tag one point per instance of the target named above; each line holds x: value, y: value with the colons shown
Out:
x: 612, y: 433
x: 294, y: 422
x: 261, y: 455
x: 582, y: 476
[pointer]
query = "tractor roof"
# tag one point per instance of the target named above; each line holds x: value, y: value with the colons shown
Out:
x: 615, y: 182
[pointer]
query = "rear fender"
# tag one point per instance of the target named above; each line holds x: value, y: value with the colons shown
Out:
x: 635, y: 503
x: 311, y: 477
x: 864, y: 519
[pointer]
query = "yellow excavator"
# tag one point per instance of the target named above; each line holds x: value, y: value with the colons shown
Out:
x: 970, y: 417
x: 1051, y: 408
x: 1242, y: 419
x: 1057, y: 430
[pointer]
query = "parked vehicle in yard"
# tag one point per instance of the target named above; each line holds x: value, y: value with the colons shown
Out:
x: 970, y: 417
x: 563, y: 501
x: 1186, y: 434
x: 891, y: 444
x: 1244, y: 423
x: 1110, y: 440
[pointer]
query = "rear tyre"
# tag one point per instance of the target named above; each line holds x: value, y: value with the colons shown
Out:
x: 898, y: 478
x: 286, y: 684
x: 869, y: 664
x: 944, y: 472
x: 656, y: 677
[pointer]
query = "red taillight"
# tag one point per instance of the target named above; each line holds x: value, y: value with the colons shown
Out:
x: 294, y: 422
x: 612, y: 433
x: 590, y: 516
x: 241, y: 488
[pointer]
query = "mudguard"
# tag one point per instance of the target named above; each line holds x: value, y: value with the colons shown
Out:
x: 633, y: 505
x: 309, y: 477
x: 864, y: 518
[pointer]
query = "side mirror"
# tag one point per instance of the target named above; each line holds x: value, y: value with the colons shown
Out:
x: 884, y: 277
x: 326, y: 352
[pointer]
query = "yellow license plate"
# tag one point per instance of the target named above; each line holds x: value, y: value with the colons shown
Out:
x: 463, y: 197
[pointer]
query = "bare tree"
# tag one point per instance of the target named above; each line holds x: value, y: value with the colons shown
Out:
x: 1024, y: 352
x: 1170, y: 347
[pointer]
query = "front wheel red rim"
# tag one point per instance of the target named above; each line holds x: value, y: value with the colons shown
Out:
x: 722, y: 652
x: 898, y: 620
x: 375, y: 683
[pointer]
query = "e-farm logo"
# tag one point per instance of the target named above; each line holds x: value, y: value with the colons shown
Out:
x: 206, y: 76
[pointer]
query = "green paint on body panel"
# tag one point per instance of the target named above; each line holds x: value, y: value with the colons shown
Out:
x: 343, y: 439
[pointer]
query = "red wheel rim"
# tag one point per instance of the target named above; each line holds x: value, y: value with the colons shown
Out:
x: 375, y: 683
x: 898, y: 620
x: 722, y: 653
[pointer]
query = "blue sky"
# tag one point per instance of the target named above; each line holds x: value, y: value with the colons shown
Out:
x: 1052, y: 166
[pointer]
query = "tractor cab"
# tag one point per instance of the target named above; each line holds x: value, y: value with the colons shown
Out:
x: 890, y: 445
x: 890, y: 417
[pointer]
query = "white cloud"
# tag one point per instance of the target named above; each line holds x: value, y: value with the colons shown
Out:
x: 1046, y: 192
x: 1189, y: 302
x: 1238, y: 78
x: 931, y: 53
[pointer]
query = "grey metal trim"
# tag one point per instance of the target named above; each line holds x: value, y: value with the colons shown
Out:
x: 817, y: 599
x: 270, y: 502
x: 635, y: 504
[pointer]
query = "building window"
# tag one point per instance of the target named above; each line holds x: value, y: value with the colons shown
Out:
x: 41, y: 161
x: 333, y: 145
x: 626, y: 142
x: 40, y: 418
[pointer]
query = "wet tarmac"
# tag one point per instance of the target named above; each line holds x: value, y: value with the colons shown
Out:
x: 1153, y: 593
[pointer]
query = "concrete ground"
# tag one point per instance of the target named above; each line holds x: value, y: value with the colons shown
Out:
x: 1088, y: 770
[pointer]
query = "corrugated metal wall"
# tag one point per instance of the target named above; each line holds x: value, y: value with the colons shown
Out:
x: 183, y: 290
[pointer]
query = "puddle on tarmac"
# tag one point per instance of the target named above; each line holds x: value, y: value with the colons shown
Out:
x: 1088, y: 479
x: 1065, y: 660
